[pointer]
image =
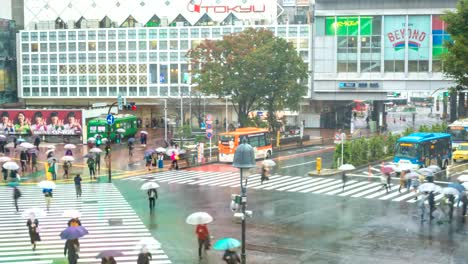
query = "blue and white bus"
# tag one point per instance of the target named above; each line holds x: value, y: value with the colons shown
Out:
x: 459, y: 132
x: 424, y: 149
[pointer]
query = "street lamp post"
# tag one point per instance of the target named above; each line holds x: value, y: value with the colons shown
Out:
x: 244, y: 158
x: 109, y: 157
x: 165, y: 120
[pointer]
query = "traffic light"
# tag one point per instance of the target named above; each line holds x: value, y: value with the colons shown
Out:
x: 131, y: 106
x: 446, y: 94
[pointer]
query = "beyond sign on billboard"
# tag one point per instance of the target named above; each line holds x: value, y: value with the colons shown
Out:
x: 41, y: 122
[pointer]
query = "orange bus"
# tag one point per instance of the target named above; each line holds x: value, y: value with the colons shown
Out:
x: 258, y: 138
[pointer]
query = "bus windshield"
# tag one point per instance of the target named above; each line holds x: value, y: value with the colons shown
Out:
x: 406, y: 150
x: 458, y: 134
x: 225, y: 139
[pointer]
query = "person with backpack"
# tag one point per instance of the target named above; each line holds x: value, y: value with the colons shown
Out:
x: 92, y: 171
x: 16, y: 196
x: 152, y: 196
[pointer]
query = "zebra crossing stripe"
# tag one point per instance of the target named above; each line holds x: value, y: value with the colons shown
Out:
x: 353, y: 191
x: 104, y: 204
x: 288, y: 183
x: 382, y: 192
x: 405, y: 196
x: 222, y: 180
x: 391, y: 195
x: 271, y: 182
x: 333, y: 182
x: 211, y: 178
x: 300, y: 183
x: 335, y: 187
x: 347, y: 187
x: 305, y: 186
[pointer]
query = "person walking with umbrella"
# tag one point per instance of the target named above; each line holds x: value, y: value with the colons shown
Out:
x: 344, y: 179
x: 464, y: 200
x: 383, y: 180
x: 77, y: 181
x: 144, y: 257
x: 431, y: 201
x: 451, y: 202
x: 16, y: 196
x: 97, y: 156
x: 33, y: 225
x: 72, y: 247
x: 402, y: 180
x: 231, y: 257
x: 37, y: 141
x: 152, y: 196
x: 53, y: 168
x: 174, y: 159
x: 92, y: 171
x: 203, y: 236
x: 34, y: 162
x: 130, y: 148
x: 66, y: 168
x: 422, y: 206
x: 23, y: 160
x: 48, y: 197
x: 265, y: 174
x: 108, y: 260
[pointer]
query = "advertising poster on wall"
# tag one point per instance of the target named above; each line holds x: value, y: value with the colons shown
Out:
x: 439, y: 36
x: 394, y: 35
x: 418, y: 37
x: 41, y: 122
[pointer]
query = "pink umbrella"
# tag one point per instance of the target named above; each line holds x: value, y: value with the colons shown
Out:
x: 387, y: 169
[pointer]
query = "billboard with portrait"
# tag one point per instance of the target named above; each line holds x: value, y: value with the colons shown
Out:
x: 41, y: 122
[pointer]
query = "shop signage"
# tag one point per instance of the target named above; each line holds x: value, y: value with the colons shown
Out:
x: 351, y: 85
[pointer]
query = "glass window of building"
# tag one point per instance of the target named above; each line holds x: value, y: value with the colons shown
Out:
x: 123, y: 90
x: 394, y: 43
x: 71, y: 46
x: 112, y: 91
x: 132, y: 34
x: 52, y: 36
x: 63, y: 80
x: 370, y: 38
x: 122, y: 45
x: 195, y: 33
x: 205, y: 33
x: 92, y: 79
x: 153, y: 91
x: 174, y: 56
x: 63, y: 91
x: 303, y: 43
x: 132, y: 91
x: 63, y: 70
x: 102, y: 80
x: 163, y: 91
x: 303, y: 31
x: 34, y: 47
x: 184, y: 45
x: 153, y: 57
x: 25, y: 47
x: 153, y: 33
x: 122, y: 68
x: 72, y: 80
x: 62, y: 35
x: 346, y: 30
x: 101, y: 57
x: 91, y: 46
x: 102, y: 35
x: 73, y: 91
x: 239, y: 29
x: 163, y: 76
x: 82, y: 68
x: 122, y: 34
x: 174, y: 91
x: 43, y: 36
x: 185, y: 74
x: 174, y: 45
x: 142, y: 91
x: 142, y: 34
x: 153, y: 45
x: 53, y: 69
x: 184, y: 90
x: 132, y: 45
x: 44, y: 58
x: 216, y: 32
x: 92, y: 68
x: 227, y: 30
x: 44, y: 69
x: 53, y: 80
x: 174, y: 73
x: 418, y: 43
x: 153, y: 73
x: 112, y: 68
x: 62, y: 47
x: 35, y: 80
x: 33, y: 36
x: 183, y: 33
x: 35, y: 91
x: 102, y: 68
x: 173, y: 33
x: 25, y: 58
x: 63, y: 58
x: 53, y: 47
x: 142, y: 45
x: 102, y: 46
x: 163, y: 44
x: 122, y: 57
x: 163, y: 33
x: 102, y: 91
x: 111, y: 57
x: 72, y: 57
x: 83, y: 80
x: 35, y: 69
x: 111, y: 34
x: 26, y: 91
x: 53, y: 91
x: 24, y: 36
x: 81, y: 35
x: 45, y: 91
x: 439, y: 36
x: 53, y: 58
x: 71, y: 35
x: 92, y: 91
x: 82, y: 46
x: 34, y: 58
x: 83, y: 91
x: 26, y: 70
x: 163, y: 56
x: 292, y: 31
x: 142, y: 68
x: 112, y: 46
x: 91, y: 35
x: 142, y: 57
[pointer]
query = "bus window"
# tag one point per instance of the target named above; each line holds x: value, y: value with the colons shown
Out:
x: 406, y: 150
x: 267, y: 139
x: 92, y: 129
x: 225, y: 139
x: 458, y: 134
x: 261, y: 141
x: 254, y: 142
x: 101, y: 129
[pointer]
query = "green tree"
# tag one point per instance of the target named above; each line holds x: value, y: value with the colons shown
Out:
x: 455, y: 61
x: 253, y: 67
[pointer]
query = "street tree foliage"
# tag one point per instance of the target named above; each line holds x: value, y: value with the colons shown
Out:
x: 455, y: 61
x: 254, y: 68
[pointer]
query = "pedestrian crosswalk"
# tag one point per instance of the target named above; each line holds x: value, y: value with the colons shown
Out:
x: 356, y: 187
x: 111, y: 222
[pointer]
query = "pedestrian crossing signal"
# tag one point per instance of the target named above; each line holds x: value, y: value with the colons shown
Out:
x: 131, y: 106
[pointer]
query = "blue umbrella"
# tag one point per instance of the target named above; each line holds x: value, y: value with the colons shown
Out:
x: 226, y: 243
x: 73, y: 232
x: 131, y: 139
x: 13, y: 183
x: 149, y: 153
x: 20, y: 140
x: 457, y: 186
x: 89, y: 156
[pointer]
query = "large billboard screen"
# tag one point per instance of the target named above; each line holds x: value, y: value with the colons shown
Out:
x: 41, y: 122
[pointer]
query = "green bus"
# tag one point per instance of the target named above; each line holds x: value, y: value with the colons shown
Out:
x: 99, y: 126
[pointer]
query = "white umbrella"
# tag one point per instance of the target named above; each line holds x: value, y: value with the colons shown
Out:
x: 50, y: 150
x: 411, y: 175
x: 10, y: 165
x: 5, y: 159
x: 143, y: 132
x: 434, y: 168
x: 46, y: 185
x: 104, y: 140
x: 149, y: 185
x: 161, y: 149
x: 199, y: 218
x: 465, y: 184
x: 67, y: 158
x: 50, y: 147
x: 91, y: 139
x: 27, y: 145
x: 450, y: 190
x: 426, y: 172
x: 149, y: 242
x: 463, y: 178
x: 95, y: 150
x: 170, y: 151
x: 268, y: 163
x: 72, y: 213
x: 2, y: 136
x: 120, y: 130
x: 10, y: 145
x: 429, y: 187
x: 404, y: 167
x: 37, y: 212
x: 69, y: 146
x: 347, y: 167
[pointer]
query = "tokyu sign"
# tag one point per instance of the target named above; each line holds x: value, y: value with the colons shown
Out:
x: 225, y: 9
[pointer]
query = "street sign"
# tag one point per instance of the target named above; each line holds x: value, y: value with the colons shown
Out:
x: 209, y: 135
x: 110, y: 120
x: 120, y: 102
x: 209, y: 126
